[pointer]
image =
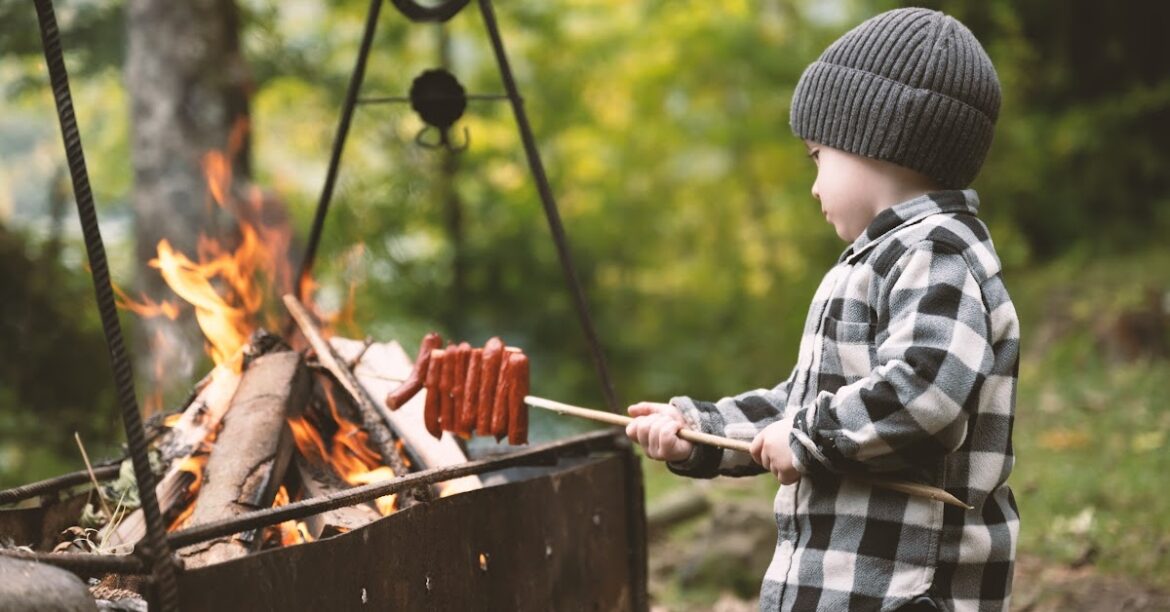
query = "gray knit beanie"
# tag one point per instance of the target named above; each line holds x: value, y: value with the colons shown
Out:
x: 909, y: 86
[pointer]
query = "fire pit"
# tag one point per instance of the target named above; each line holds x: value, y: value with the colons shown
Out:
x: 558, y: 525
x: 569, y: 534
x: 565, y: 536
x: 285, y: 484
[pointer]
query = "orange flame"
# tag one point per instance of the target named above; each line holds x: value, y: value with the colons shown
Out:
x: 227, y: 285
x: 147, y: 308
x: 192, y: 465
x: 349, y: 454
x: 291, y: 531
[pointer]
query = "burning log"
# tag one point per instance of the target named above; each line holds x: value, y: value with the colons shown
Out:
x: 251, y: 452
x: 372, y: 422
x: 380, y: 370
x: 201, y: 417
x: 317, y: 481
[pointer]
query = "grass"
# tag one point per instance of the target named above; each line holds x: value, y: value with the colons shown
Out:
x: 1093, y: 430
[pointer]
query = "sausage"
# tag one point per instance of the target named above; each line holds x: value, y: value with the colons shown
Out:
x: 517, y: 411
x: 434, y: 395
x: 500, y: 402
x: 409, y: 387
x: 446, y: 386
x: 470, y: 400
x: 493, y: 351
x: 462, y: 356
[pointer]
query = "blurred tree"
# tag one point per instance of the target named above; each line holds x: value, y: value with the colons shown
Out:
x: 1080, y: 156
x: 188, y: 86
x: 46, y: 339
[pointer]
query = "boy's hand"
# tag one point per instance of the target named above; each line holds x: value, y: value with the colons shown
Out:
x: 655, y: 428
x: 770, y: 449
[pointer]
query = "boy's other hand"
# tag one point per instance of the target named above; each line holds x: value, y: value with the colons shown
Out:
x: 770, y: 449
x: 655, y: 428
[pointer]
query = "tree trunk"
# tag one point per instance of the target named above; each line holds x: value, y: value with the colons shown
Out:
x: 188, y: 87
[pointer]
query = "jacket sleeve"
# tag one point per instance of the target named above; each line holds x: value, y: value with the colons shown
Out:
x: 913, y: 407
x: 740, y: 417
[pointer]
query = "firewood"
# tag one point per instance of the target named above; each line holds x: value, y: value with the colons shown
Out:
x: 382, y: 368
x: 251, y: 452
x: 201, y: 417
x: 318, y: 480
x: 372, y: 413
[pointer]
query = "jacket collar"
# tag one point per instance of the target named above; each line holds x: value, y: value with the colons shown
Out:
x: 910, y: 212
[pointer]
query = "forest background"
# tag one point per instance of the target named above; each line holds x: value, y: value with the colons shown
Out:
x: 663, y: 126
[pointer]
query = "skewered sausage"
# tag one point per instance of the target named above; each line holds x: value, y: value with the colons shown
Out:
x: 409, y: 387
x: 433, y: 404
x: 493, y: 352
x: 518, y: 412
x: 470, y: 400
x: 462, y: 359
x: 446, y: 386
x: 500, y: 402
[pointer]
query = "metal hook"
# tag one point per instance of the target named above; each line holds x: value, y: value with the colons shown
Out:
x: 444, y: 141
x: 458, y: 148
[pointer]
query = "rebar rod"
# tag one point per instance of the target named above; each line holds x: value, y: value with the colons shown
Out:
x: 351, y: 99
x: 83, y: 564
x: 166, y: 595
x: 550, y: 206
x: 57, y: 483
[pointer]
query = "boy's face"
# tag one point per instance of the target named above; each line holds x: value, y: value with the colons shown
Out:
x: 848, y: 187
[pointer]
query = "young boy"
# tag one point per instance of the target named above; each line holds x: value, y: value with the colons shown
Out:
x: 908, y: 363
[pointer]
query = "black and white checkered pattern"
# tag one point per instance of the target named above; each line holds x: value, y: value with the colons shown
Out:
x: 907, y: 369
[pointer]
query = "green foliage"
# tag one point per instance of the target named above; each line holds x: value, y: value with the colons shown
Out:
x: 53, y: 367
x: 1080, y: 151
x: 684, y: 195
x: 1092, y: 431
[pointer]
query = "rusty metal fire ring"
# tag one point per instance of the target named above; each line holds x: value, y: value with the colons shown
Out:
x: 429, y: 12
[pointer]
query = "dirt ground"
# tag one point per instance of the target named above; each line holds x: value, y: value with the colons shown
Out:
x: 714, y: 563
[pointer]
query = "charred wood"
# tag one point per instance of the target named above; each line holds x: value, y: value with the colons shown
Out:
x: 318, y: 480
x: 379, y: 371
x: 251, y: 453
x: 186, y: 437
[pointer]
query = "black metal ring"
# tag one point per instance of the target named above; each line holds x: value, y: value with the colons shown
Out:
x: 420, y: 13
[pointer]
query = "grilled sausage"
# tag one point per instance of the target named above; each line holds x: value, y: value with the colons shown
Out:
x: 433, y: 404
x: 446, y: 386
x: 469, y: 402
x: 517, y: 411
x: 500, y: 402
x: 409, y: 387
x: 493, y: 352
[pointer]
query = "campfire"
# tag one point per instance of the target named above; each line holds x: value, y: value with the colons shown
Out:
x: 281, y: 421
x: 285, y: 481
x: 277, y: 419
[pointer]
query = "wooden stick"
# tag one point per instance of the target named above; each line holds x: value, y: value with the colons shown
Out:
x: 690, y: 435
x: 374, y: 422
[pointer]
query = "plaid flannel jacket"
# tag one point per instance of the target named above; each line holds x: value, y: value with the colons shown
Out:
x: 907, y: 369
